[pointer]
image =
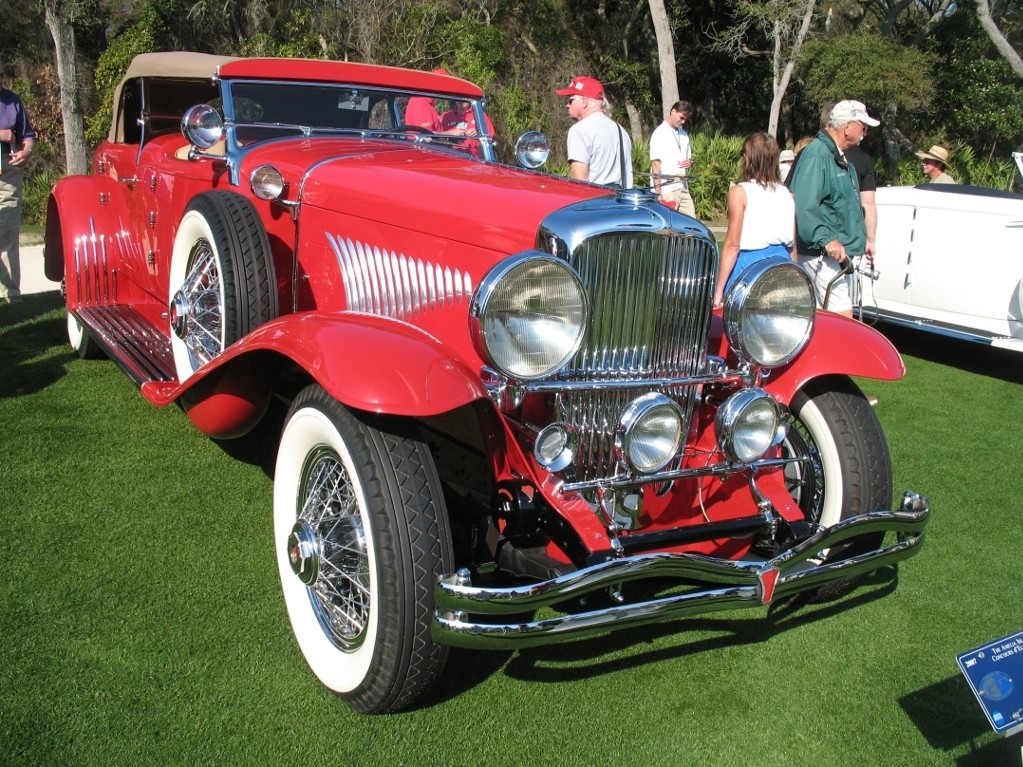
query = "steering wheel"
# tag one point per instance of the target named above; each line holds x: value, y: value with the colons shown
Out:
x: 407, y: 129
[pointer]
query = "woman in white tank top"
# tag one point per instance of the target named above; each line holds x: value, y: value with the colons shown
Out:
x: 761, y: 214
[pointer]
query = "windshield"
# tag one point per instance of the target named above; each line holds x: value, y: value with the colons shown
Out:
x: 263, y: 111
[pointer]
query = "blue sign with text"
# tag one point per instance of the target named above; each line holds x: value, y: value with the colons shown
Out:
x: 995, y: 674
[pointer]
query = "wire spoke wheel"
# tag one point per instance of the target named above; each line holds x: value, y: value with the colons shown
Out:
x: 341, y: 594
x: 203, y: 293
x: 361, y: 535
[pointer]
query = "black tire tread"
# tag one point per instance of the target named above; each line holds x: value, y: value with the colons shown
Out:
x: 413, y: 545
x: 250, y: 284
x: 866, y: 461
x: 865, y: 464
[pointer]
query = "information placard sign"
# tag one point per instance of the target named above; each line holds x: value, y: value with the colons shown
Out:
x: 995, y: 674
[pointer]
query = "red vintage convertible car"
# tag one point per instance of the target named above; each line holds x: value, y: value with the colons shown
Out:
x: 514, y: 417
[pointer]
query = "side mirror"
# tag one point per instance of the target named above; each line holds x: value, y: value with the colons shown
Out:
x: 202, y: 126
x: 532, y: 149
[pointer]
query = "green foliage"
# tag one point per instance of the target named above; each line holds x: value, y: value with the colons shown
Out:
x: 716, y: 166
x: 978, y: 94
x: 475, y: 50
x: 515, y: 115
x: 296, y: 39
x: 38, y: 183
x: 884, y: 75
x: 141, y: 37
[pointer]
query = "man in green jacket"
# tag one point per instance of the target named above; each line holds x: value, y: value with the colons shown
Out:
x: 830, y: 228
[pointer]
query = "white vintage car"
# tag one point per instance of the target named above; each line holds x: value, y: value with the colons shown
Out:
x: 950, y: 259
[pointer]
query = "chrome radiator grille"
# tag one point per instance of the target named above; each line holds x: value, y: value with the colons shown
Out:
x: 651, y: 299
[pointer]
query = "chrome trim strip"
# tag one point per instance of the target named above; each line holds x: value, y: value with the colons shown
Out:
x: 725, y: 584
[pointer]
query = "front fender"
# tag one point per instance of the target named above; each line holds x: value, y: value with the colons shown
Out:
x: 366, y: 362
x: 80, y: 211
x: 839, y: 345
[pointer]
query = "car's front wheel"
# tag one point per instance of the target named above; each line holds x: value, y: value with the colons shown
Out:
x: 361, y: 534
x: 849, y: 469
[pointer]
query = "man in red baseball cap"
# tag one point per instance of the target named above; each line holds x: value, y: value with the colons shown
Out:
x: 599, y: 149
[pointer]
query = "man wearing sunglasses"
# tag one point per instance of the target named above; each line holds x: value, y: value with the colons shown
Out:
x: 599, y: 149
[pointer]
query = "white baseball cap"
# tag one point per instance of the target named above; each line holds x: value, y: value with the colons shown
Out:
x: 847, y: 111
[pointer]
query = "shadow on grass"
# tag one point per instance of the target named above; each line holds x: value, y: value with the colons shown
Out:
x: 588, y: 658
x: 971, y: 357
x: 259, y: 447
x: 948, y: 717
x: 28, y: 335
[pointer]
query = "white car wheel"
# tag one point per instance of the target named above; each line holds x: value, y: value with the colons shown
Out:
x: 361, y: 534
x: 81, y: 339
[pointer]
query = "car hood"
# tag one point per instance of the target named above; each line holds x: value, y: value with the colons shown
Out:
x: 421, y: 189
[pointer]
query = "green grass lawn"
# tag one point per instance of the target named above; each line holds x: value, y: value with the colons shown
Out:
x: 142, y: 623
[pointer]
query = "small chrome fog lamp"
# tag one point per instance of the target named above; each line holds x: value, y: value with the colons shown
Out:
x: 748, y: 425
x: 266, y: 182
x: 769, y: 312
x: 649, y: 433
x: 556, y: 446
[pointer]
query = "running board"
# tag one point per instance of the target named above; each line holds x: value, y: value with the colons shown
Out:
x: 130, y: 340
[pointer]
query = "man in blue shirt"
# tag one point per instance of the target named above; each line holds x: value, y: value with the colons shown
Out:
x: 830, y: 227
x: 17, y: 139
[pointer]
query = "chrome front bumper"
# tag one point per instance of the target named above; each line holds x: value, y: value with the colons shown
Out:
x: 725, y: 584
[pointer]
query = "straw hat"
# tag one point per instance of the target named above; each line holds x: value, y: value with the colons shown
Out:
x: 936, y: 153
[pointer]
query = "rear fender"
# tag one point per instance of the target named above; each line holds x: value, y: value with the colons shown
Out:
x: 365, y: 362
x: 87, y: 221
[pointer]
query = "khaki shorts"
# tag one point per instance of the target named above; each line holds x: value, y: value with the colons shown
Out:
x: 682, y: 199
x: 822, y: 271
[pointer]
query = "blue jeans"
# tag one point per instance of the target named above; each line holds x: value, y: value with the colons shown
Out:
x: 747, y: 258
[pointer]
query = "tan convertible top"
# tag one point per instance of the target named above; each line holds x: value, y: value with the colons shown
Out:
x: 192, y: 66
x: 165, y: 64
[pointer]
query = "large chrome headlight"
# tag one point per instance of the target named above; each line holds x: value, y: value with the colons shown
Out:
x: 528, y: 316
x: 769, y: 312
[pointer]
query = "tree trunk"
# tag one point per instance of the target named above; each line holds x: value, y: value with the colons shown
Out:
x: 665, y: 55
x: 785, y: 62
x: 76, y: 154
x: 1004, y: 47
x: 635, y: 122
